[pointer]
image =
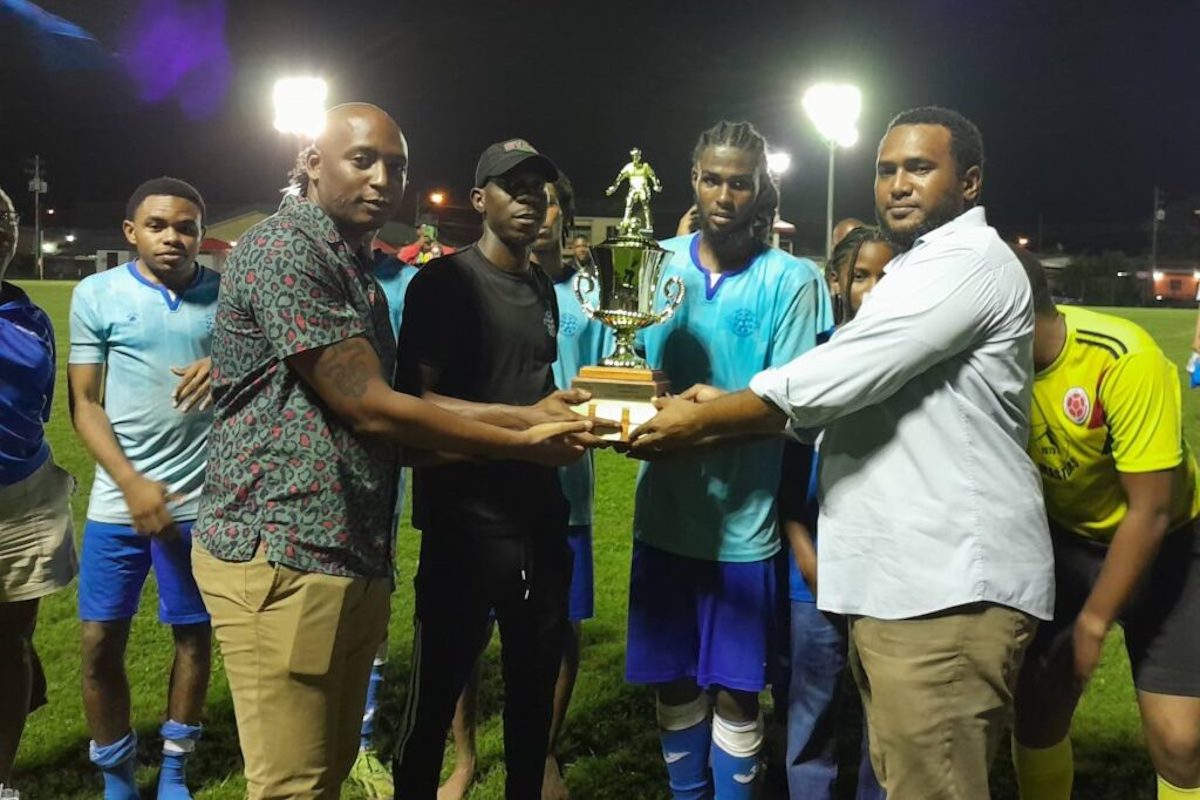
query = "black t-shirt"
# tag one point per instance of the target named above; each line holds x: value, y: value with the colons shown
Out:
x: 490, y: 335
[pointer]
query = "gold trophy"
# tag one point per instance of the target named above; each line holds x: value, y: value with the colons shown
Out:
x: 625, y: 280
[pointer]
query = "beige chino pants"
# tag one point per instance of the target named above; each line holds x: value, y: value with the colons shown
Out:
x: 298, y: 649
x: 938, y: 693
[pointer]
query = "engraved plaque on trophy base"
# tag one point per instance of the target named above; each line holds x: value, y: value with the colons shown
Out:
x: 620, y: 394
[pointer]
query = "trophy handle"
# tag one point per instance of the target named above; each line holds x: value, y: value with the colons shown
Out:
x: 583, y: 285
x: 673, y: 289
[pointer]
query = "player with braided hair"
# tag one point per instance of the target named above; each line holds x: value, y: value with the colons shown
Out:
x: 705, y: 595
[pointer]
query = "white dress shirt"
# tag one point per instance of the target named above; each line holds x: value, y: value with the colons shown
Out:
x: 928, y: 499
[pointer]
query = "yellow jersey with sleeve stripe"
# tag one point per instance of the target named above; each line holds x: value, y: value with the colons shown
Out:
x: 1109, y: 403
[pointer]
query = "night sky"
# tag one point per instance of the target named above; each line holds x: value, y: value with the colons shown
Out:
x: 1083, y: 107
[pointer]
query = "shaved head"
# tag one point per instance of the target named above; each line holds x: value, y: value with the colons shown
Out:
x: 357, y: 169
x: 342, y: 120
x: 845, y: 226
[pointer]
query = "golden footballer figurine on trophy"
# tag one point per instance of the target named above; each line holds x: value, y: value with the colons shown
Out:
x: 626, y: 278
x: 642, y: 180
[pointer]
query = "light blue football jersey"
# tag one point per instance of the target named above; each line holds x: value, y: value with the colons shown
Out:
x: 720, y: 505
x: 394, y: 276
x: 139, y: 330
x: 582, y: 342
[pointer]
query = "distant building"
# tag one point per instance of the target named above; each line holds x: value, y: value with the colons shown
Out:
x: 1175, y: 281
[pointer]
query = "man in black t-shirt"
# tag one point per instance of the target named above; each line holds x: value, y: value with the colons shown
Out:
x: 478, y: 337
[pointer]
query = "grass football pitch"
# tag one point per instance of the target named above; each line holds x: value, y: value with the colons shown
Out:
x: 609, y: 746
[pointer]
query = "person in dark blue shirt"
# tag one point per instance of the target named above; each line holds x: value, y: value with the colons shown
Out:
x: 37, y: 544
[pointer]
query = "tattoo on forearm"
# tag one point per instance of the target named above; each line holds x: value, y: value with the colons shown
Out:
x: 347, y: 367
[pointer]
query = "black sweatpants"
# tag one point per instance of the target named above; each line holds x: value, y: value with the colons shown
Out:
x: 460, y: 581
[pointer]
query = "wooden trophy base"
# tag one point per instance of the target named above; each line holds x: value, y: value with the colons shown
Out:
x: 620, y: 394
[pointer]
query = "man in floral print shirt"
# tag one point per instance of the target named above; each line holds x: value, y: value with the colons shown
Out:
x: 293, y: 544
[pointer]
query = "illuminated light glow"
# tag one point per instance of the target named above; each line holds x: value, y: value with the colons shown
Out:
x: 1023, y: 241
x: 834, y: 109
x: 437, y: 198
x: 49, y: 248
x: 50, y: 211
x: 300, y: 106
x: 778, y: 162
x: 1158, y: 276
x: 70, y: 238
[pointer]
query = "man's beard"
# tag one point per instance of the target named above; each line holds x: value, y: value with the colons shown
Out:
x: 733, y: 242
x: 939, y: 215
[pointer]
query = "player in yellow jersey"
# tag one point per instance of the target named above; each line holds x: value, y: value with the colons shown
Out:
x: 1121, y: 494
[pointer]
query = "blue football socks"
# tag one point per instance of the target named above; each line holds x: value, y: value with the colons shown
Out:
x: 735, y: 762
x: 117, y: 762
x: 686, y: 734
x: 179, y: 740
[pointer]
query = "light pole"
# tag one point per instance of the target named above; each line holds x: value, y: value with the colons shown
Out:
x: 778, y: 162
x: 37, y: 185
x: 834, y: 109
x: 300, y: 106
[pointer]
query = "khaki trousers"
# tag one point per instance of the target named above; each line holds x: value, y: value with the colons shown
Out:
x: 938, y: 693
x: 298, y: 649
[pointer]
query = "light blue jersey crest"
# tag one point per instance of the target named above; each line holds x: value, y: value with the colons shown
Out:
x: 139, y: 330
x: 720, y: 505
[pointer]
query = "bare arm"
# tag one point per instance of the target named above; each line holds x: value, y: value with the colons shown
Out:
x: 1134, y: 548
x: 147, y: 499
x: 554, y: 407
x: 1196, y: 335
x: 804, y: 552
x: 347, y: 376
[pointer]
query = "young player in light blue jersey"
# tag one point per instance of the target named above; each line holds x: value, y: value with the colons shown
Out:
x: 394, y: 276
x: 139, y: 374
x: 581, y: 342
x: 705, y: 593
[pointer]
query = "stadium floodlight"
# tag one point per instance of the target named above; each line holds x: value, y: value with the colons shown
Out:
x: 834, y: 109
x: 300, y: 106
x: 778, y: 162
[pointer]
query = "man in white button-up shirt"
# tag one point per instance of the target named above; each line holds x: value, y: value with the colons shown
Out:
x: 933, y: 535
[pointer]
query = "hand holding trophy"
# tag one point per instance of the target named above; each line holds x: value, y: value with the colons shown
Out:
x: 626, y: 279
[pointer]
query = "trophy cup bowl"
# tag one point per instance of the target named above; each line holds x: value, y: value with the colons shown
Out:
x: 625, y: 281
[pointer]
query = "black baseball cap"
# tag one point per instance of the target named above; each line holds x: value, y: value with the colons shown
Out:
x: 501, y: 157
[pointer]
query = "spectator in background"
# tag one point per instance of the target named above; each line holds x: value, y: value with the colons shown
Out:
x: 425, y: 248
x: 581, y: 254
x: 37, y: 544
